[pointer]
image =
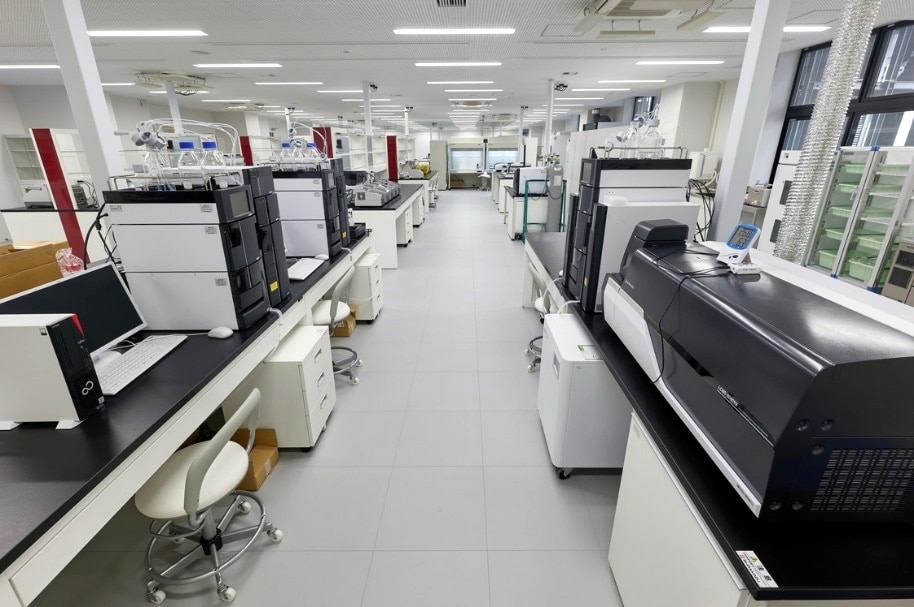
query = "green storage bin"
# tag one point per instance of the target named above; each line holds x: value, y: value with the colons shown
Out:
x: 826, y: 258
x: 860, y: 268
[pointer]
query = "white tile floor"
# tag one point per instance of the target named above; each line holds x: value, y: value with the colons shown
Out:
x: 432, y: 486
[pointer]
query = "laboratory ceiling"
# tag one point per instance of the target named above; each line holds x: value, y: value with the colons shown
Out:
x: 342, y: 43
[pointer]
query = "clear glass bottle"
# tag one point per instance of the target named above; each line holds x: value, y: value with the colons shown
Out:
x: 632, y: 141
x: 298, y: 157
x: 651, y: 140
x: 285, y: 157
x: 214, y: 166
x: 313, y: 156
x: 189, y: 166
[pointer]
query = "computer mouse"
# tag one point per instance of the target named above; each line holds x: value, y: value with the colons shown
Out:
x: 220, y: 333
x: 321, y: 256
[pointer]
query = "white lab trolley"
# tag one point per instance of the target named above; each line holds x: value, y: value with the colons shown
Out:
x: 585, y: 415
x: 297, y: 388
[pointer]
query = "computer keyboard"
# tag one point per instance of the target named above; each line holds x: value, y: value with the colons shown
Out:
x: 303, y: 268
x: 117, y: 374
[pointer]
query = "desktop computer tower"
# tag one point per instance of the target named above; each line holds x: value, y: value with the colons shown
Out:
x: 614, y: 196
x: 191, y: 258
x: 269, y: 232
x: 46, y: 371
x: 310, y: 211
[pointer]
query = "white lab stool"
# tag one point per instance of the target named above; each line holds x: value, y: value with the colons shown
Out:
x: 188, y: 487
x: 333, y: 311
x: 541, y: 304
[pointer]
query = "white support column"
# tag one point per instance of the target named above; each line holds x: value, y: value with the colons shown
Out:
x: 520, y: 134
x: 173, y: 108
x: 547, y: 132
x: 366, y: 99
x: 406, y: 122
x: 67, y: 26
x: 749, y: 111
x: 252, y: 124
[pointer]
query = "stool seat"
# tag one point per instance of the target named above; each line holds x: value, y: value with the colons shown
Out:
x: 321, y: 313
x: 539, y: 304
x: 162, y: 497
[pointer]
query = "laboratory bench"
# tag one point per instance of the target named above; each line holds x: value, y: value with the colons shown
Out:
x: 391, y: 224
x: 499, y: 193
x: 514, y: 215
x: 421, y: 205
x: 58, y: 488
x: 681, y: 532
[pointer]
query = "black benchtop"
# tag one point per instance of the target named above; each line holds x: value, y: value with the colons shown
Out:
x: 808, y: 561
x: 45, y: 472
x: 513, y: 193
x: 406, y: 192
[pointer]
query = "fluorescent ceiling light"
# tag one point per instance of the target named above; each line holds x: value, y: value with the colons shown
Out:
x: 266, y: 106
x: 33, y: 66
x: 680, y: 62
x: 373, y: 100
x: 625, y: 82
x: 473, y: 90
x: 288, y: 83
x: 283, y: 111
x: 461, y: 82
x: 343, y: 92
x: 473, y: 99
x: 578, y: 98
x: 118, y: 83
x: 453, y: 31
x: 568, y: 105
x: 164, y: 92
x: 382, y: 105
x: 798, y: 29
x: 144, y: 33
x: 458, y: 64
x: 596, y: 90
x: 236, y: 65
x: 225, y: 100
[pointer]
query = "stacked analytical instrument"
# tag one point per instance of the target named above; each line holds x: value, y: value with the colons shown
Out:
x: 191, y: 257
x: 310, y: 209
x: 269, y: 232
x: 616, y: 194
x: 339, y: 175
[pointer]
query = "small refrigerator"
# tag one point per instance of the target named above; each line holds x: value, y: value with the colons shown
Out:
x: 584, y: 414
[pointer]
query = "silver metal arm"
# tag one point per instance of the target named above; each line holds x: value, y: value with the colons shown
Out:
x: 248, y: 412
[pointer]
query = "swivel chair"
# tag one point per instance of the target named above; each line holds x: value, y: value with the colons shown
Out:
x: 188, y: 488
x: 542, y: 304
x: 333, y: 311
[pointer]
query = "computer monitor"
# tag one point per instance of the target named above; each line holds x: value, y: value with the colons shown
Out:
x: 98, y: 297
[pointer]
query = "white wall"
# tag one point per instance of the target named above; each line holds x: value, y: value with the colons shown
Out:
x: 723, y: 117
x: 687, y: 113
x: 10, y: 124
x: 44, y: 107
x: 781, y: 87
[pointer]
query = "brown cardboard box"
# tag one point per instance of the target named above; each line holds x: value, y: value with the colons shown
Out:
x: 25, y: 266
x: 348, y: 327
x: 261, y: 460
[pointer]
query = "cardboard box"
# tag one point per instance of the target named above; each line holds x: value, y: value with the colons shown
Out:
x: 24, y: 266
x: 347, y: 328
x: 262, y: 459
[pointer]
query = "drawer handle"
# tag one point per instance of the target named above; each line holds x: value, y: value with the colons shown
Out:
x: 323, y: 402
x: 317, y: 356
x: 321, y: 379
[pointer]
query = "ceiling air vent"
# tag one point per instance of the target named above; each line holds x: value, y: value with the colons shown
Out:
x: 452, y: 3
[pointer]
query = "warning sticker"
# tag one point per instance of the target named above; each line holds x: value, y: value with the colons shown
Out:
x: 756, y: 569
x: 589, y: 352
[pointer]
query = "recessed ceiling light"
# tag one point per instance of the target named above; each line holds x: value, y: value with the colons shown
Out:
x: 225, y: 100
x: 266, y: 106
x: 596, y: 90
x: 473, y: 90
x: 627, y: 82
x: 118, y: 83
x: 453, y: 31
x: 579, y: 98
x: 33, y: 66
x: 346, y: 92
x: 382, y: 105
x: 235, y: 65
x: 473, y: 99
x: 728, y: 29
x: 680, y: 62
x: 164, y: 92
x: 568, y: 105
x: 144, y: 33
x: 288, y: 83
x: 458, y: 64
x: 796, y: 29
x: 283, y: 111
x: 360, y: 99
x: 460, y: 82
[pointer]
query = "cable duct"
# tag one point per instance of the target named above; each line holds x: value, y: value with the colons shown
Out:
x: 844, y: 62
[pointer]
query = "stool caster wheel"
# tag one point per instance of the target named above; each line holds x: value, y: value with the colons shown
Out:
x: 531, y: 368
x: 178, y: 540
x: 564, y: 473
x: 355, y: 381
x: 244, y: 506
x: 275, y: 535
x: 156, y: 597
x: 227, y: 594
x: 527, y: 352
x: 359, y: 363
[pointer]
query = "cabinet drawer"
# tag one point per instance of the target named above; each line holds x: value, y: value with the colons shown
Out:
x: 319, y: 412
